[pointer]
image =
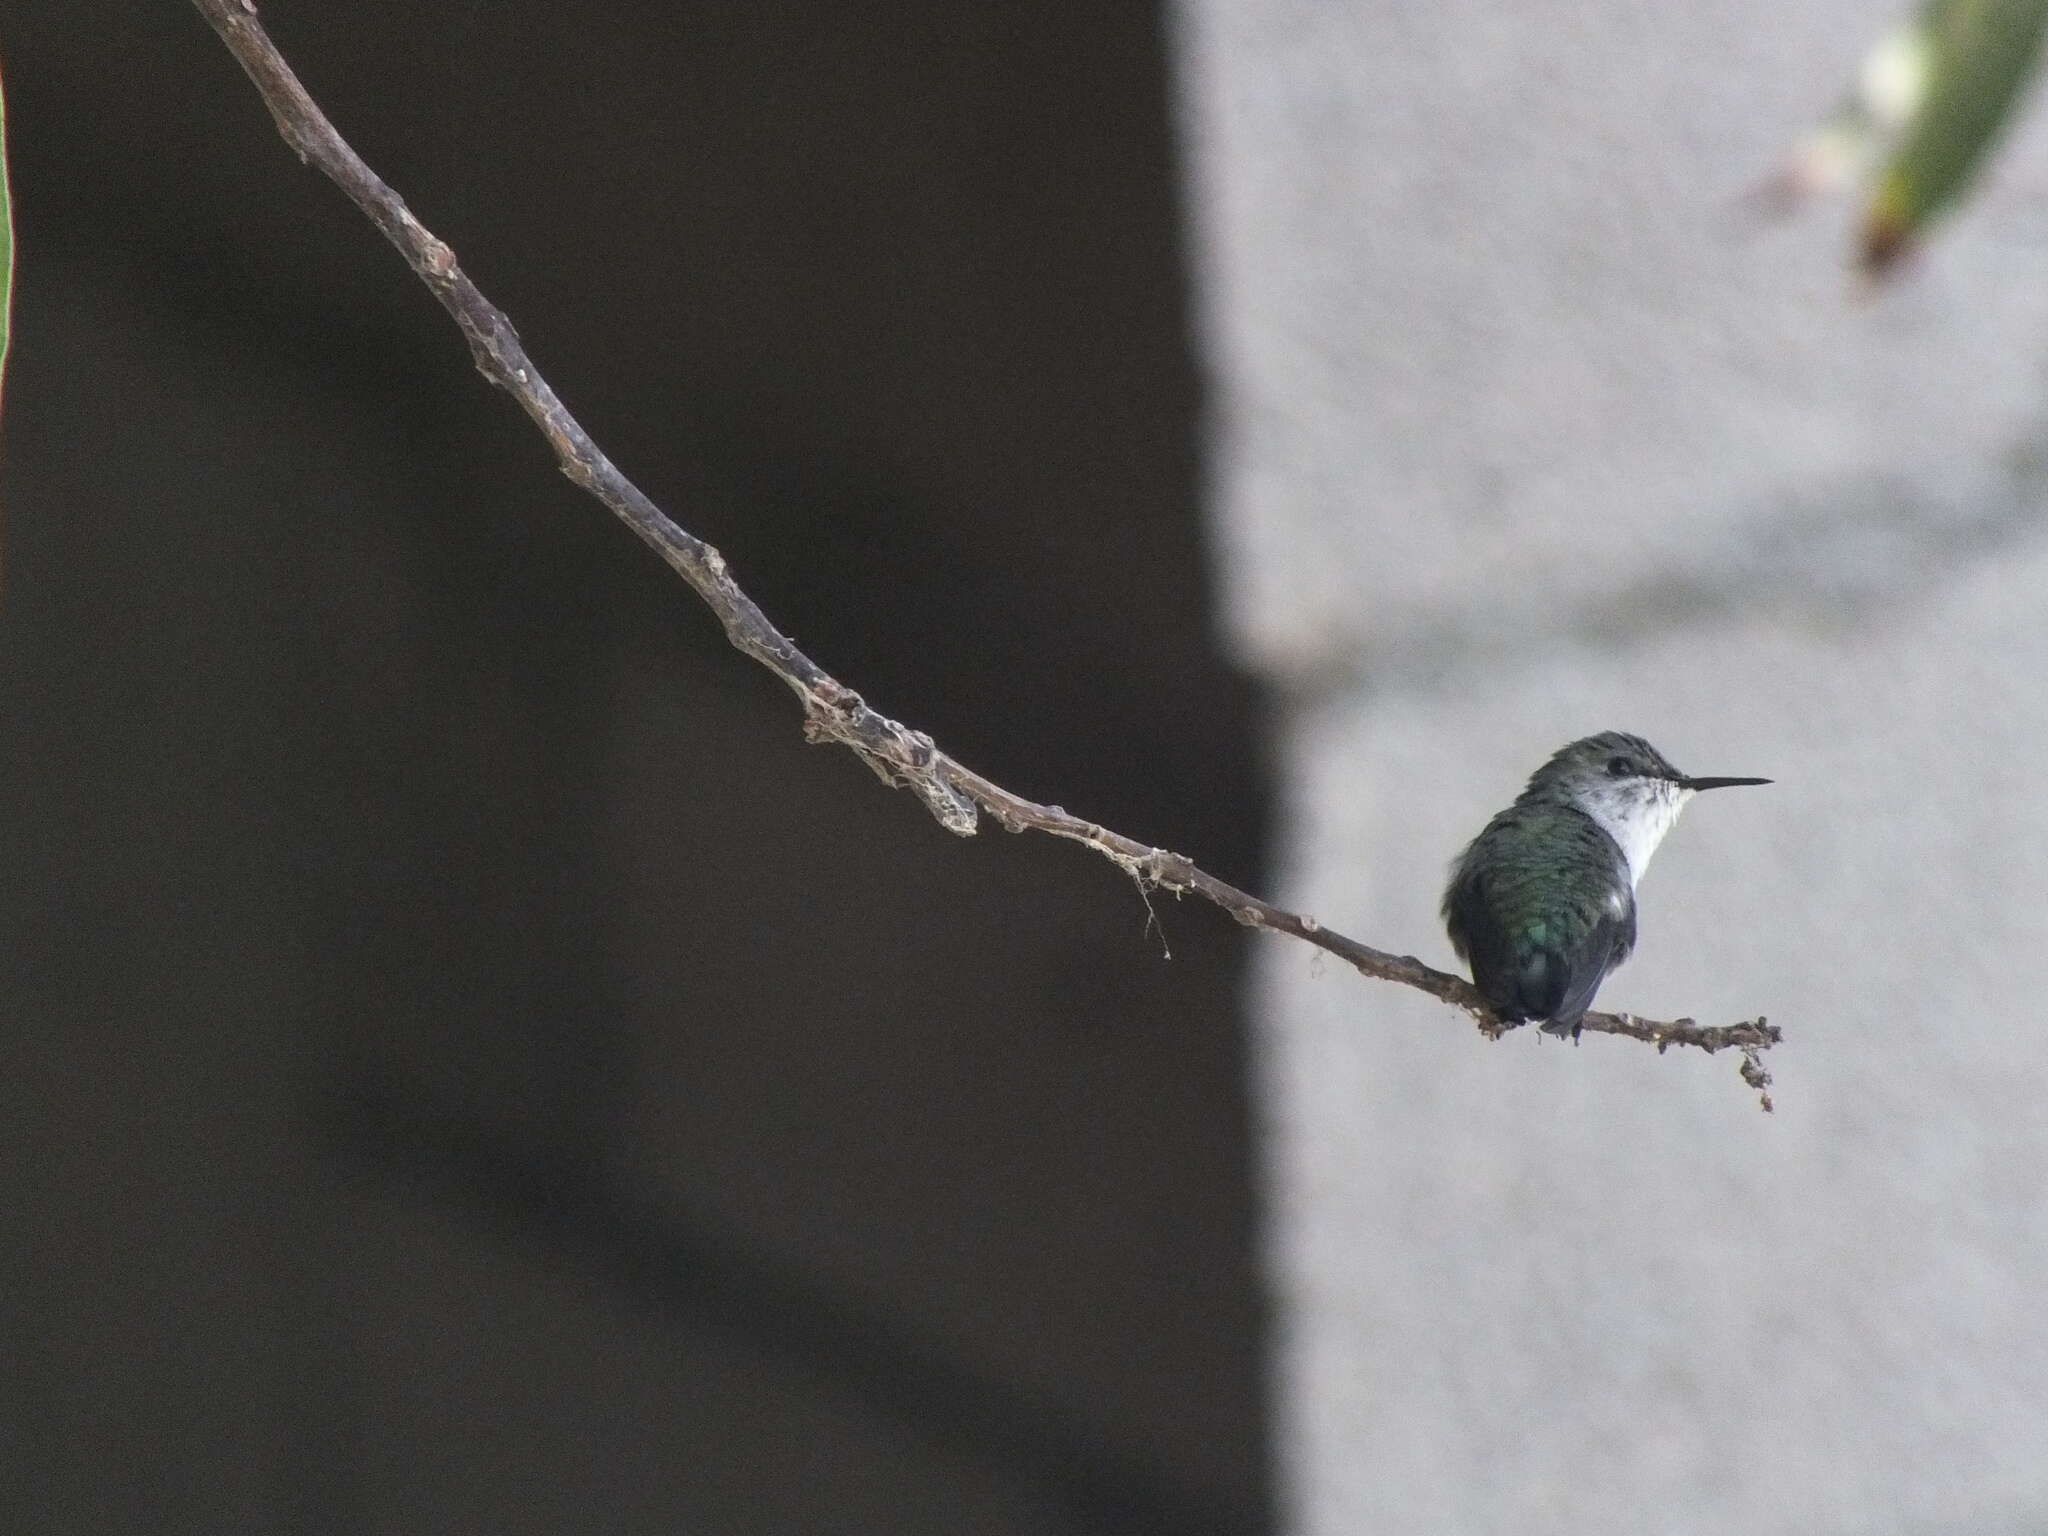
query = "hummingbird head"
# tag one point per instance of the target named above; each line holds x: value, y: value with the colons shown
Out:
x: 1626, y: 785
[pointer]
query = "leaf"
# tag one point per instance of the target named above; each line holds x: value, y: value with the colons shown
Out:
x: 1976, y: 54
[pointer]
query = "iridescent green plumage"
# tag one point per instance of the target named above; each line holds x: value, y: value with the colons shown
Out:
x: 1542, y: 907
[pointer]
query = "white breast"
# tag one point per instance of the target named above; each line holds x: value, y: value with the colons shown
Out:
x: 1636, y: 813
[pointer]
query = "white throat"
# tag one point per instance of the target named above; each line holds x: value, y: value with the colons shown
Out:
x: 1636, y: 813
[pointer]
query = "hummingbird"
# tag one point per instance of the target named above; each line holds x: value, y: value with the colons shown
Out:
x: 1542, y: 904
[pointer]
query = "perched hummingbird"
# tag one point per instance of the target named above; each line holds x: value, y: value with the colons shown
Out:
x: 1543, y: 902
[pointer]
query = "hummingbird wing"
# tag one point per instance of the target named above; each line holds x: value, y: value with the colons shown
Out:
x: 1543, y: 908
x: 1604, y: 948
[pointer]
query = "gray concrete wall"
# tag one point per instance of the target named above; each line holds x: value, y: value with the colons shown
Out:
x: 1522, y: 430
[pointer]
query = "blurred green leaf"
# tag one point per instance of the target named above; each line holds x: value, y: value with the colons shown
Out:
x: 1974, y: 56
x: 1929, y: 101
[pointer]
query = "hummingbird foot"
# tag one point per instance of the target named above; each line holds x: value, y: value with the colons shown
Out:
x: 1494, y: 1025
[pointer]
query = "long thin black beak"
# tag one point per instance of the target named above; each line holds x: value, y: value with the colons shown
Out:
x: 1718, y: 783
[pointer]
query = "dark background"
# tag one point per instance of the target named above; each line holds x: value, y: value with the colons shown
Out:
x: 469, y: 1065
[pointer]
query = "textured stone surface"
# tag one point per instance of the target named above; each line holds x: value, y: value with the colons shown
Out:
x: 1523, y: 432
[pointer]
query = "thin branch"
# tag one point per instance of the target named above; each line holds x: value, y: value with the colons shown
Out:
x: 833, y: 712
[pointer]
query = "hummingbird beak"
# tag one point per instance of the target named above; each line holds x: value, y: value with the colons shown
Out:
x: 1718, y: 783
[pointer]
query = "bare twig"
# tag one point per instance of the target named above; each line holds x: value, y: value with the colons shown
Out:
x: 833, y: 712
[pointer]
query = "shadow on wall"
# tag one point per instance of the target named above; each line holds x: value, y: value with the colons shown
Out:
x: 484, y: 1069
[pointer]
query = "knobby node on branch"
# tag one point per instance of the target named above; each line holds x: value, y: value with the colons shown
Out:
x: 833, y: 712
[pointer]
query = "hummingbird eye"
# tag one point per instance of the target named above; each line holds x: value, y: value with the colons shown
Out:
x: 1619, y: 767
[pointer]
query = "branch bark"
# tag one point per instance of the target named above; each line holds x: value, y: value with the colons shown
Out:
x: 955, y: 794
